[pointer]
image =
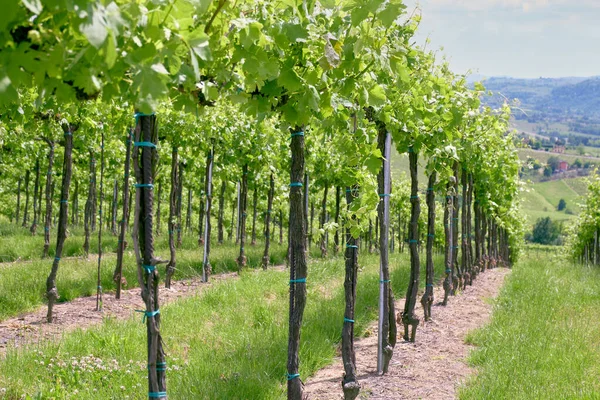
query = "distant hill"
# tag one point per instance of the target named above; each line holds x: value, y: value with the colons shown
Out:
x: 563, y: 107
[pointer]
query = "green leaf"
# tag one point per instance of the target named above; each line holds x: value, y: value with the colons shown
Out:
x: 94, y: 29
x: 377, y: 96
x: 200, y: 44
x: 110, y: 52
x: 290, y: 80
x: 160, y: 68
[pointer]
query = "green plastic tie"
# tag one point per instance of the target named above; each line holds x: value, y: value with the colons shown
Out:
x: 144, y: 144
x: 148, y: 314
x: 144, y: 185
x: 291, y: 377
x: 149, y: 268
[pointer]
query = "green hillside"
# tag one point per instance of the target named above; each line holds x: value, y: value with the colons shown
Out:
x: 540, y: 200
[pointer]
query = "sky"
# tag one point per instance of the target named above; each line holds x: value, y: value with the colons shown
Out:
x: 517, y: 38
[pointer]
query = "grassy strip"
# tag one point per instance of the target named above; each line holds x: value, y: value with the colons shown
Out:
x: 18, y: 244
x: 22, y: 285
x: 230, y: 342
x: 544, y: 338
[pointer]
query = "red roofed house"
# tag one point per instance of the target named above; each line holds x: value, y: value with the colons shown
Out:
x: 563, y: 166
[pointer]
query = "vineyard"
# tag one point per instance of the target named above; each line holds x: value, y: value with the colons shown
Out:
x: 197, y: 198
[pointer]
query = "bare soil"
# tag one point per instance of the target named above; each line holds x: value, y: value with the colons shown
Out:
x: 31, y: 328
x: 431, y: 368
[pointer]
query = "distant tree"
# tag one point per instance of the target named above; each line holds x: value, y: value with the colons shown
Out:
x: 577, y: 163
x: 553, y: 162
x: 581, y: 150
x: 562, y: 204
x: 546, y: 231
x: 548, y: 171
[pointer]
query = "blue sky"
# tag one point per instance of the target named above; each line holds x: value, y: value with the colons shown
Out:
x: 518, y: 38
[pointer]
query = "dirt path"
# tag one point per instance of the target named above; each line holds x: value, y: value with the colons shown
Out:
x: 32, y: 328
x: 431, y: 368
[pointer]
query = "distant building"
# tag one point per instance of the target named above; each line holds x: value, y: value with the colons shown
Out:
x: 558, y: 149
x: 563, y: 166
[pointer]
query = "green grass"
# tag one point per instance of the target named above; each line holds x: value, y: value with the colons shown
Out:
x: 541, y: 199
x: 16, y: 243
x: 22, y: 284
x: 230, y: 342
x: 543, y: 341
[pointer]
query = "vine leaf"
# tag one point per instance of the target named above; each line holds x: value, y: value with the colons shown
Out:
x: 35, y: 6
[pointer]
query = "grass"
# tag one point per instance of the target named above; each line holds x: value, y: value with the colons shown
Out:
x: 22, y: 284
x: 543, y: 341
x: 230, y: 342
x: 541, y: 200
x: 18, y: 244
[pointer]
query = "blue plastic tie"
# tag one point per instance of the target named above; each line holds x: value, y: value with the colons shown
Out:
x: 57, y: 258
x: 384, y: 195
x: 149, y: 268
x: 351, y: 246
x: 448, y: 271
x: 157, y: 395
x: 348, y: 320
x: 297, y: 134
x: 410, y: 149
x: 296, y: 184
x: 301, y: 280
x: 144, y: 144
x: 68, y: 134
x: 414, y: 197
x: 430, y: 189
x: 47, y: 229
x: 144, y: 185
x: 429, y: 285
x: 413, y: 241
x: 292, y: 376
x: 64, y: 201
x: 430, y: 235
x: 100, y: 287
x: 160, y: 366
x: 384, y: 281
x: 455, y: 247
x: 148, y: 314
